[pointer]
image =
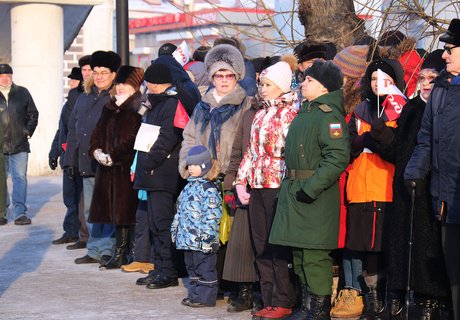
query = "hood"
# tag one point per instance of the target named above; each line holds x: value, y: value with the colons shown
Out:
x: 333, y: 99
x: 397, y: 70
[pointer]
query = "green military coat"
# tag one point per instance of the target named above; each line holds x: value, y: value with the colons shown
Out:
x: 317, y: 140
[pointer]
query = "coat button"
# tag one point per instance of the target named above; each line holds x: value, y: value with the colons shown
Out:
x: 84, y: 154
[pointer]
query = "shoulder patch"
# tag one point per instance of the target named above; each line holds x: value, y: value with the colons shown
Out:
x: 325, y: 108
x: 335, y: 130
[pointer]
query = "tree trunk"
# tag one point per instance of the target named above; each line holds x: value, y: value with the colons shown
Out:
x: 331, y: 21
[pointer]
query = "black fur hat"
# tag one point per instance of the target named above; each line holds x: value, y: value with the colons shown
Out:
x: 130, y: 75
x: 434, y: 61
x: 200, y: 53
x: 85, y: 60
x: 327, y: 73
x: 308, y: 50
x: 452, y: 35
x: 107, y: 59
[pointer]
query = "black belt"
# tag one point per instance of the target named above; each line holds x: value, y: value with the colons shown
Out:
x: 299, y: 174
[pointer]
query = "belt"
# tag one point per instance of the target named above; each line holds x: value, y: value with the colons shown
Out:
x: 299, y: 174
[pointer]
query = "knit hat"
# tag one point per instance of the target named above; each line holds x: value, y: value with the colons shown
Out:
x: 5, y: 69
x: 352, y: 61
x: 107, y: 59
x: 167, y: 49
x: 391, y: 38
x: 130, y: 75
x: 280, y: 74
x: 452, y: 35
x: 382, y: 65
x: 327, y: 73
x: 307, y: 50
x: 84, y: 61
x: 158, y: 73
x: 434, y: 61
x: 225, y: 56
x: 200, y: 156
x: 75, y: 74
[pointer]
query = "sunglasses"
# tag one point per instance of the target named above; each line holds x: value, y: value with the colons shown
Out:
x: 449, y: 49
x: 220, y: 77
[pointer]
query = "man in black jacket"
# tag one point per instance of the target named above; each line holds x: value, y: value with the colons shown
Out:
x: 19, y: 117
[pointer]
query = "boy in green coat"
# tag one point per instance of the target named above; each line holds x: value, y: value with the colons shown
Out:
x: 307, y: 215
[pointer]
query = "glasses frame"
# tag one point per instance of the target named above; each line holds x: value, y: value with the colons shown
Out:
x: 449, y: 49
x: 102, y: 74
x: 227, y: 77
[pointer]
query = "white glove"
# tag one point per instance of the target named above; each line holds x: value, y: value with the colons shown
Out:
x: 108, y: 160
x: 102, y: 158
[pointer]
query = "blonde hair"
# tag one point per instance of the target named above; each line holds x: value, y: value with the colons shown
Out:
x: 214, y: 172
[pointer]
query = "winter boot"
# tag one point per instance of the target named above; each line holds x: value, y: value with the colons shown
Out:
x: 301, y: 313
x: 121, y: 242
x: 396, y: 309
x: 427, y: 309
x: 131, y: 243
x: 375, y: 304
x: 350, y: 305
x: 244, y: 300
x: 320, y: 308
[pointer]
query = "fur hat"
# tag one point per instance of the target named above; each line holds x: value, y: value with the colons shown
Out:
x: 327, y: 73
x: 200, y: 53
x: 452, y: 35
x: 280, y: 74
x: 434, y: 61
x: 75, y: 74
x: 308, y: 50
x: 84, y: 61
x: 200, y: 156
x: 352, y: 61
x: 391, y: 38
x: 225, y: 56
x: 158, y: 73
x: 107, y: 59
x: 5, y: 69
x: 130, y: 75
x: 166, y: 49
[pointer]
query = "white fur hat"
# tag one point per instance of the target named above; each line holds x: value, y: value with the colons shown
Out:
x: 280, y: 74
x: 224, y: 56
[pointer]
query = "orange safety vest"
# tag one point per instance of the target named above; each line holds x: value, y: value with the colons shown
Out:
x: 370, y: 177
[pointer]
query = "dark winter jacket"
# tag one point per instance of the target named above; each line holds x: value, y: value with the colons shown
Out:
x: 438, y: 147
x: 114, y: 199
x: 156, y: 170
x: 83, y: 120
x: 60, y: 137
x: 188, y: 92
x: 19, y: 117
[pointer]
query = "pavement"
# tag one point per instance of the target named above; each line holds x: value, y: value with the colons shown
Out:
x: 39, y: 280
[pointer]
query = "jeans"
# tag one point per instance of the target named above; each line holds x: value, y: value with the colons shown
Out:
x: 101, y: 236
x: 352, y: 270
x: 16, y: 167
x: 71, y: 195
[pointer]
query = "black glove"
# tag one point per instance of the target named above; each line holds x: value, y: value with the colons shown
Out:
x: 71, y: 172
x: 301, y: 196
x: 380, y: 132
x: 52, y: 162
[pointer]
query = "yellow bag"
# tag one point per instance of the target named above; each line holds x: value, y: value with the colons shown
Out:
x: 225, y: 224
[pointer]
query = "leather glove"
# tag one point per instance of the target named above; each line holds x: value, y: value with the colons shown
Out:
x: 243, y: 195
x: 229, y: 198
x: 301, y: 196
x: 71, y: 172
x: 380, y: 132
x: 52, y: 162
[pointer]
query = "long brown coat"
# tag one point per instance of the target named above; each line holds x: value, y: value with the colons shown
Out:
x: 114, y: 200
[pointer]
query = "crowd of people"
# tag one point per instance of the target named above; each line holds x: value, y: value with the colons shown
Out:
x: 263, y: 179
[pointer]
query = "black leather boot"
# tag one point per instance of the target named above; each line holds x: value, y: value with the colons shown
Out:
x: 396, y: 309
x: 426, y: 309
x: 320, y: 308
x: 131, y: 244
x: 121, y: 242
x: 301, y: 313
x: 375, y: 299
x: 244, y: 300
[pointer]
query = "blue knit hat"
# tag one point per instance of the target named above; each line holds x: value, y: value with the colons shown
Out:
x: 200, y: 156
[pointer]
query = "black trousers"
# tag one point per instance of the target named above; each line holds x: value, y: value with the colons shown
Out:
x: 451, y: 250
x: 143, y: 249
x: 273, y: 261
x: 201, y: 268
x: 161, y: 214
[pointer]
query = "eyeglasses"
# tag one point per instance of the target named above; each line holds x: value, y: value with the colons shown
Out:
x: 221, y: 77
x: 102, y: 74
x: 449, y: 49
